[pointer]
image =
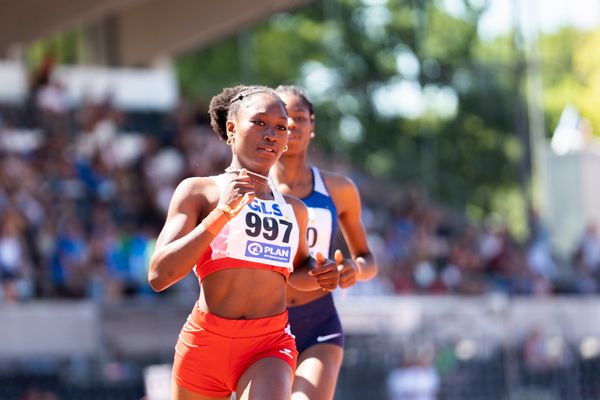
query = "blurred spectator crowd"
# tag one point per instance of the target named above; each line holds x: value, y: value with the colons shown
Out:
x: 84, y: 191
x: 424, y: 248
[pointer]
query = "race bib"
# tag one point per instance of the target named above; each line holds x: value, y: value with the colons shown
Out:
x: 266, y: 232
x: 318, y: 233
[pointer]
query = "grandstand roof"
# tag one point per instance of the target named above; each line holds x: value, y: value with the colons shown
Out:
x: 140, y: 30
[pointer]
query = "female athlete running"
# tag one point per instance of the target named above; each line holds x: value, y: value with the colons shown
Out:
x: 243, y: 239
x: 331, y: 199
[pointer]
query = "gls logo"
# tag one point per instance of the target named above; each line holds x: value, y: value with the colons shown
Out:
x: 267, y: 251
x: 265, y: 208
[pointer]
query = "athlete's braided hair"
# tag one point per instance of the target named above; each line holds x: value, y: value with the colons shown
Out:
x: 226, y: 104
x: 296, y: 91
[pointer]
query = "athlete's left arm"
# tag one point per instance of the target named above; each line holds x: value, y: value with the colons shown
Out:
x: 310, y: 273
x: 361, y: 266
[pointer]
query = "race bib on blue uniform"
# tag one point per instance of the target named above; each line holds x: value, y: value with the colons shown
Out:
x: 318, y: 233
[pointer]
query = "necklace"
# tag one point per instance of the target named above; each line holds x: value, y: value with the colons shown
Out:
x: 229, y: 170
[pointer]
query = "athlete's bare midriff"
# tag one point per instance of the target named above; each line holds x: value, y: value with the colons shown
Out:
x: 298, y: 298
x: 243, y: 293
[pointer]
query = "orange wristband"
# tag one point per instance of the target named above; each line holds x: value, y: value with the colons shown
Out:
x: 215, y: 221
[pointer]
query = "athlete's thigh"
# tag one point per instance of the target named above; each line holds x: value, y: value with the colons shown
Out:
x: 317, y: 372
x: 181, y: 393
x: 267, y: 379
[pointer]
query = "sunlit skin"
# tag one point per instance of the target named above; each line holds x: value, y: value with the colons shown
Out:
x: 318, y: 366
x: 260, y: 134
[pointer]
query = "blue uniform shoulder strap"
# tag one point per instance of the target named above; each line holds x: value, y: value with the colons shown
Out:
x: 319, y: 182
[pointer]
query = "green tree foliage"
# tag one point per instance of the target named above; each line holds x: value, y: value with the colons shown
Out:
x: 403, y: 89
x: 587, y: 70
x: 62, y: 46
x: 571, y: 72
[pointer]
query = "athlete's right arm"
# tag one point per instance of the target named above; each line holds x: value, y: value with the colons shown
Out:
x: 183, y: 240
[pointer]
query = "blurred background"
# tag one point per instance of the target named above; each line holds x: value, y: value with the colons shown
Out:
x: 469, y: 126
